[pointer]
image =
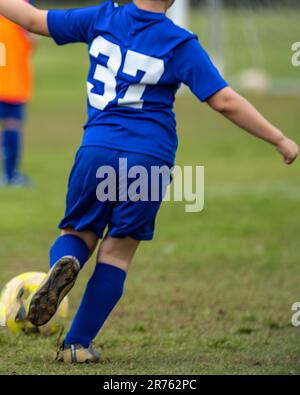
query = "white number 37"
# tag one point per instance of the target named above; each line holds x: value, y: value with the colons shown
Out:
x: 134, y: 62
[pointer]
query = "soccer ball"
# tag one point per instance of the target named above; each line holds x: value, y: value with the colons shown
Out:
x: 14, y: 303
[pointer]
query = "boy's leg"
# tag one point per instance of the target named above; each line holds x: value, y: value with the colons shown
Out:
x: 104, y: 289
x: 68, y: 255
x: 11, y: 147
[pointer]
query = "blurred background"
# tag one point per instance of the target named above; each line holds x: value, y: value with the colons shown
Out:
x: 213, y: 292
x: 249, y: 40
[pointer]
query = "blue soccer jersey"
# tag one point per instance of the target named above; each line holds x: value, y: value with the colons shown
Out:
x: 138, y: 59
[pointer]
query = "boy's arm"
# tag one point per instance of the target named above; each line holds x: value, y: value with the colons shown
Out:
x: 25, y: 15
x: 238, y: 110
x: 33, y: 39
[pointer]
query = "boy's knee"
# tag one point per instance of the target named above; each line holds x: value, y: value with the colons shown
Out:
x: 117, y: 252
x: 108, y: 255
x: 87, y: 236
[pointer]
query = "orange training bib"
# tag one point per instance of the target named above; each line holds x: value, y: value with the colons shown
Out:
x: 15, y: 76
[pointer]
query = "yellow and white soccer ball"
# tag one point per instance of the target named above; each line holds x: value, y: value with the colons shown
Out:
x: 14, y: 303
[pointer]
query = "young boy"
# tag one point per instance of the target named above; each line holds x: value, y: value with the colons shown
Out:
x: 15, y: 92
x: 138, y: 60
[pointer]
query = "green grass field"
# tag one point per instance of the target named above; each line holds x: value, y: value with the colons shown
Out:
x: 213, y: 292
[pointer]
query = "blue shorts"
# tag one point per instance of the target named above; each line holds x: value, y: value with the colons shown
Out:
x: 123, y: 216
x: 12, y: 111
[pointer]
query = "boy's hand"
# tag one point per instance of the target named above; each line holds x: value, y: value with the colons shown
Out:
x: 288, y: 149
x: 239, y: 111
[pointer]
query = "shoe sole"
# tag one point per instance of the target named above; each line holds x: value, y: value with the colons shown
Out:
x: 58, y: 283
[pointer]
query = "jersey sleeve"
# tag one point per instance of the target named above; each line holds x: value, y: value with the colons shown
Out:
x: 196, y: 70
x: 71, y: 26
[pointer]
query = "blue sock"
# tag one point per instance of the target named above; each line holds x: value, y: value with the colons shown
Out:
x: 103, y: 292
x: 69, y: 245
x: 11, y: 143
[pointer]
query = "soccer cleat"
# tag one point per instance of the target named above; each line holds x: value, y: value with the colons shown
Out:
x: 77, y: 354
x: 19, y: 180
x: 58, y: 283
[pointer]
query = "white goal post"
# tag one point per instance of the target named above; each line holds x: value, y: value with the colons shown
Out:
x: 179, y: 12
